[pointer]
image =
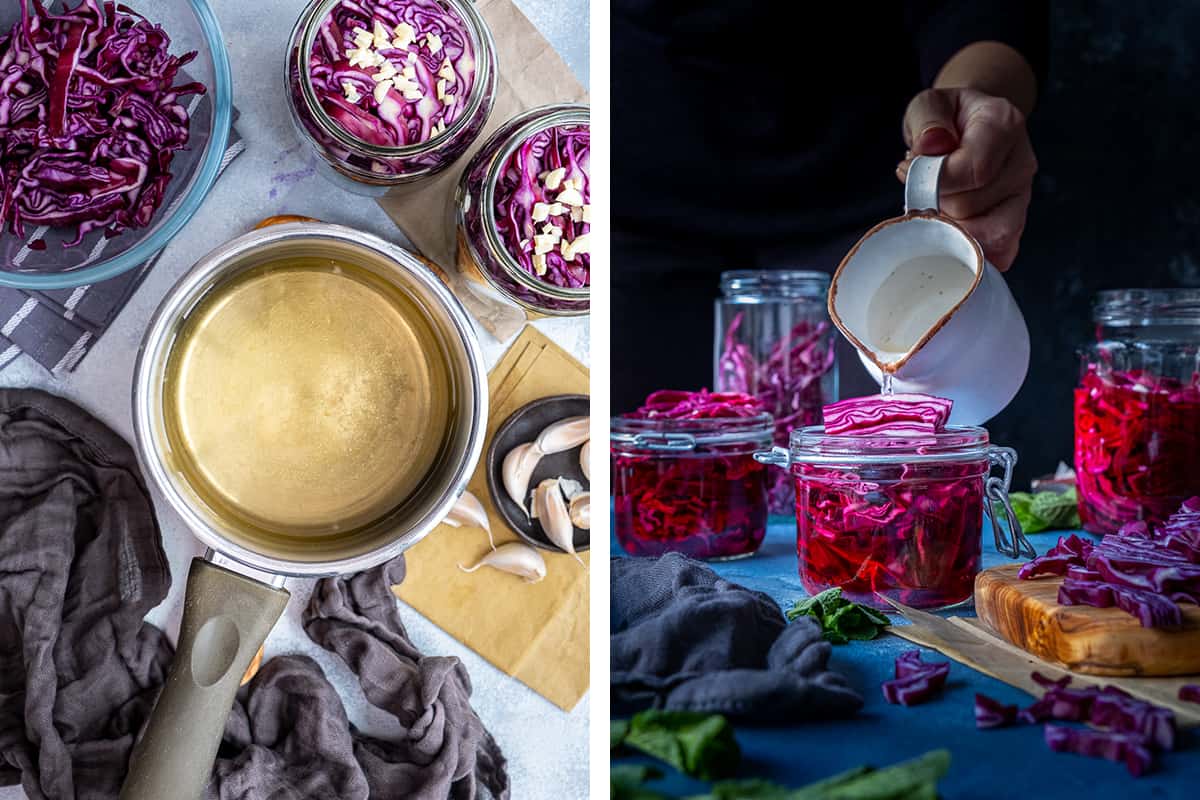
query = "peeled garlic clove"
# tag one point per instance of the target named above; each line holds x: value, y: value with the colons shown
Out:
x: 564, y: 434
x: 552, y: 514
x: 470, y: 512
x: 517, y: 471
x: 581, y: 511
x: 570, y: 488
x: 516, y: 558
x: 585, y: 458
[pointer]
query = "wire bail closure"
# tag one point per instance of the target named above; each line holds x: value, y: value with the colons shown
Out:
x: 1013, y: 544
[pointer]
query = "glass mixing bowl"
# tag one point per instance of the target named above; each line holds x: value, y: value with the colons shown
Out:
x: 191, y: 25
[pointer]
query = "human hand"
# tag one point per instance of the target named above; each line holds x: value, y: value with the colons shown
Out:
x: 987, y: 178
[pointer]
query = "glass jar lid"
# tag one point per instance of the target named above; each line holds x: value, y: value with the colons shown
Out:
x: 688, y: 435
x: 775, y: 283
x: 1145, y: 307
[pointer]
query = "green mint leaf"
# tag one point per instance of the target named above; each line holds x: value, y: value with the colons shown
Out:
x: 909, y: 780
x: 1022, y: 503
x: 699, y: 745
x: 1056, y: 510
x: 841, y: 620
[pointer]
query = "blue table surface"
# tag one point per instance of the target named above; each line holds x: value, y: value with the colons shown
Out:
x: 1005, y: 763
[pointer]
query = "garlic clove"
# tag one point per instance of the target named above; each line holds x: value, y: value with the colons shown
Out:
x: 563, y: 435
x: 517, y: 471
x: 470, y: 512
x: 585, y: 459
x: 580, y: 511
x: 570, y: 488
x: 516, y: 558
x: 554, y: 517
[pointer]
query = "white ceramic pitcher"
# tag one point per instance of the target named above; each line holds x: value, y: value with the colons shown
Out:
x: 918, y: 300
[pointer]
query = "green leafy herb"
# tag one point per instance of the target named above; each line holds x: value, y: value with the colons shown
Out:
x: 841, y: 620
x: 909, y: 780
x: 1046, y: 510
x: 699, y: 745
x: 617, y: 730
x: 628, y: 782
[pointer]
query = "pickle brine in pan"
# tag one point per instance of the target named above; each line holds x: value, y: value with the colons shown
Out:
x: 306, y: 398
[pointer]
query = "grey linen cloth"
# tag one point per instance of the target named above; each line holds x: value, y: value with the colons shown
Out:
x: 682, y: 638
x: 81, y: 562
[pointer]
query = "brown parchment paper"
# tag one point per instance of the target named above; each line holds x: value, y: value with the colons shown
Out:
x: 971, y: 642
x: 531, y: 74
x: 536, y: 632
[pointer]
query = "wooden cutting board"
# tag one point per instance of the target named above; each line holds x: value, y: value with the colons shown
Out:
x: 1093, y: 641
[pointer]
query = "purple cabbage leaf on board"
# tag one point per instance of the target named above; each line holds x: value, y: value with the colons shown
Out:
x: 1144, y: 570
x: 916, y: 681
x: 90, y: 119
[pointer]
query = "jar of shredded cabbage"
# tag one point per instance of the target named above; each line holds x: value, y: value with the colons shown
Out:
x: 774, y: 340
x: 899, y: 516
x: 690, y: 486
x: 1137, y: 408
x: 523, y: 213
x: 389, y: 92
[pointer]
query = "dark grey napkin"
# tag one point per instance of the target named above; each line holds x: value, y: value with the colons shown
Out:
x: 57, y: 327
x: 682, y: 638
x: 81, y: 563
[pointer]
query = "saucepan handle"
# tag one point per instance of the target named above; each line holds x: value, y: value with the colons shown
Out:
x: 226, y: 618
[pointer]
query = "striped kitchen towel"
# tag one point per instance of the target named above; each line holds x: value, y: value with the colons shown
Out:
x: 57, y: 327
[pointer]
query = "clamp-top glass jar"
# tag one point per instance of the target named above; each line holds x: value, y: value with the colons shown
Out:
x: 1137, y: 408
x: 522, y: 230
x: 389, y: 92
x: 690, y: 486
x: 898, y: 516
x: 774, y: 340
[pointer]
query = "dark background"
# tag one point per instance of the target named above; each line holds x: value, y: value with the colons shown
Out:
x: 1116, y: 200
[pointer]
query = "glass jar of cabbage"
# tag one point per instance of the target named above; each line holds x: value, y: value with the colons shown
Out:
x: 899, y: 516
x: 690, y: 486
x: 389, y: 92
x: 1137, y: 408
x: 774, y: 341
x: 523, y: 213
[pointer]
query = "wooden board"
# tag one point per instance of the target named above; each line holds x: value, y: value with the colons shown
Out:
x: 1094, y: 641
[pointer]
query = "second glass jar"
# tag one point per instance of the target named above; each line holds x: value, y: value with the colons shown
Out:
x: 690, y: 486
x: 774, y: 340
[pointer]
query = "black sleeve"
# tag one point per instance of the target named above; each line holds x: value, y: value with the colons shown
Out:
x: 941, y: 29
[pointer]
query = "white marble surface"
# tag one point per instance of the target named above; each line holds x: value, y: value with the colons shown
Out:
x: 546, y: 748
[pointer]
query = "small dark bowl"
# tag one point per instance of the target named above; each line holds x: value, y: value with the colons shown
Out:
x: 524, y: 426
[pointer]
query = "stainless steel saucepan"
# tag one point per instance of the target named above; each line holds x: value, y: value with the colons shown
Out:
x: 398, y: 425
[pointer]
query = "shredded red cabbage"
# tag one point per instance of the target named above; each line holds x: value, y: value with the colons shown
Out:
x: 678, y: 404
x: 90, y: 118
x: 708, y: 502
x: 419, y: 49
x: 916, y: 681
x: 542, y: 206
x: 991, y: 713
x: 1137, y: 446
x: 893, y: 414
x: 1128, y: 748
x: 1144, y: 570
x: 1190, y: 693
x: 787, y: 382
